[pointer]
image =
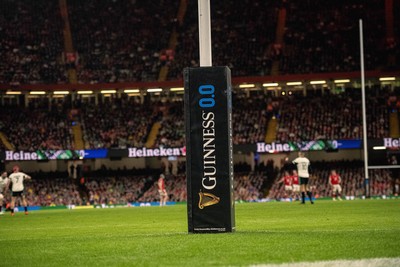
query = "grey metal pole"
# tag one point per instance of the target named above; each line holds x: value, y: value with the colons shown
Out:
x: 205, y: 33
x: 364, y: 115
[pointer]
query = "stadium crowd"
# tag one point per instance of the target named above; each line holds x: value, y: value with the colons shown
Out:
x: 243, y: 33
x: 33, y: 53
x: 121, y: 190
x: 323, y: 37
x: 52, y: 192
x: 119, y: 123
x: 34, y: 127
x: 127, y: 40
x: 115, y: 190
x: 333, y: 116
x: 172, y: 128
x: 123, y: 41
x: 250, y: 186
x: 127, y: 122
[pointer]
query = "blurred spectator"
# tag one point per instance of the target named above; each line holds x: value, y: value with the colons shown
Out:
x: 128, y: 41
x: 241, y: 31
x: 126, y: 122
x: 332, y: 117
x: 45, y: 189
x: 31, y: 43
x: 123, y: 41
x: 248, y: 186
x: 324, y: 37
x: 115, y: 190
x: 116, y: 123
x: 36, y: 127
x: 52, y: 192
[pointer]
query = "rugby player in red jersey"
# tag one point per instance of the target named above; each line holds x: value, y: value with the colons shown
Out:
x: 335, y: 181
x: 162, y: 191
x: 287, y: 181
x: 295, y: 185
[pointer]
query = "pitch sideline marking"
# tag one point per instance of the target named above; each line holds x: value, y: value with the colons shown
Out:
x: 375, y: 262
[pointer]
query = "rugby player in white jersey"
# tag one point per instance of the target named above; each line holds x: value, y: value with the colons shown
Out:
x: 303, y: 170
x: 17, y: 179
x: 3, y: 187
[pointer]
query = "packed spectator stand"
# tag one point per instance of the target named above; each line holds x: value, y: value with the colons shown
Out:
x: 117, y: 45
x: 36, y: 126
x: 126, y: 41
x: 30, y: 48
x: 122, y: 188
x: 324, y: 37
x: 242, y: 35
x: 124, y: 122
x: 123, y: 41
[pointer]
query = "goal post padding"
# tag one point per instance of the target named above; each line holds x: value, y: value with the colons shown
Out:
x: 209, y: 159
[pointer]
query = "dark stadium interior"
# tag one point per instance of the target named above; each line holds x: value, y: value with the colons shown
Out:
x: 137, y: 45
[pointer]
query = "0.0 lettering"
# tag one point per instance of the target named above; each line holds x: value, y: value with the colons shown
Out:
x: 208, y: 92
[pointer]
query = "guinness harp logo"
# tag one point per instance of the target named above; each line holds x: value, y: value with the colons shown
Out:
x: 207, y: 199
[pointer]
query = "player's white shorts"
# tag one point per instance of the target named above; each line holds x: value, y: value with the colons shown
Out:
x: 1, y: 196
x: 288, y: 188
x: 162, y: 193
x: 296, y: 188
x: 336, y: 187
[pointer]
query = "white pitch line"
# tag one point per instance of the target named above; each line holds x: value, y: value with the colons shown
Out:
x: 377, y: 262
x: 317, y: 231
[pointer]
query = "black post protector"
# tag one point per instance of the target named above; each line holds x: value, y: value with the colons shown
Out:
x: 209, y: 160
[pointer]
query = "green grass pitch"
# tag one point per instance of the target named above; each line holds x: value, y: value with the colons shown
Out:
x: 157, y: 236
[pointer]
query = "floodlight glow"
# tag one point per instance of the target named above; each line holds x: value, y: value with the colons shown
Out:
x: 60, y: 92
x: 342, y: 81
x: 379, y: 148
x: 293, y: 83
x: 37, y: 92
x: 108, y: 91
x: 154, y: 90
x: 318, y: 82
x: 270, y: 84
x: 131, y: 91
x: 384, y: 79
x: 13, y: 92
x: 247, y: 85
x: 176, y: 89
x: 85, y: 92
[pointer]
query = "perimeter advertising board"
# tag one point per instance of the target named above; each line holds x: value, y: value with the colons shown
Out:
x: 209, y: 160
